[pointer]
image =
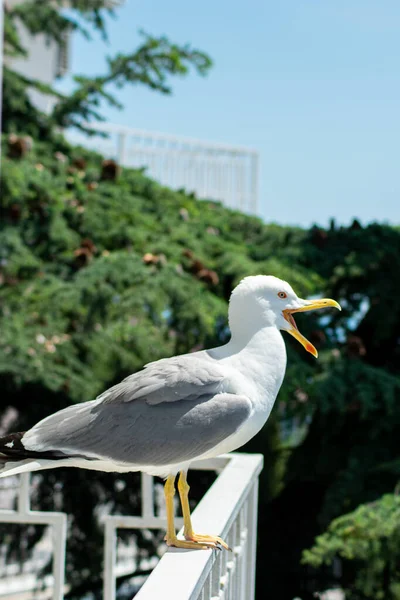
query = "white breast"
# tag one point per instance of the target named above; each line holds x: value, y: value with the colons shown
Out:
x: 257, y: 373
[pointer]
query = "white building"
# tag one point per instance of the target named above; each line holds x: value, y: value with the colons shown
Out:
x: 46, y: 58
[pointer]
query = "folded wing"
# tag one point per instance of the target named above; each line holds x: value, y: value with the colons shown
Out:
x: 171, y: 412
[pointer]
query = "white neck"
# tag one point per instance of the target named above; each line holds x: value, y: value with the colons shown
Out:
x: 266, y: 343
x: 259, y: 364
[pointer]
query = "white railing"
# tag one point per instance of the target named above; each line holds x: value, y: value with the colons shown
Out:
x: 58, y: 521
x: 229, y: 509
x: 212, y: 171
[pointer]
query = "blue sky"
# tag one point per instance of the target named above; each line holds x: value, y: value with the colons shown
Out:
x: 314, y: 85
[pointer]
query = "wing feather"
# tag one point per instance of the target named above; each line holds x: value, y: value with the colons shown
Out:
x: 170, y: 379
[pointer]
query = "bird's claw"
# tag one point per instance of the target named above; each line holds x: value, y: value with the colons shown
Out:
x: 215, y: 541
x: 197, y: 542
x: 190, y: 545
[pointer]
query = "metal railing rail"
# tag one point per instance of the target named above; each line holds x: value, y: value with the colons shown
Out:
x: 214, y: 171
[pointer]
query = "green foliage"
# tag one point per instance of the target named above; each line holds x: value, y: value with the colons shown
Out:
x: 151, y: 65
x: 370, y: 535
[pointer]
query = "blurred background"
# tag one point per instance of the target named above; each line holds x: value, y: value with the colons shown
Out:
x: 153, y: 154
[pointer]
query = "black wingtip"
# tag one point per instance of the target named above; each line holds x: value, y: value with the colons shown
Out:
x: 11, y: 445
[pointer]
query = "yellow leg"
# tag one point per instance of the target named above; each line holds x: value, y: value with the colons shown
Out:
x: 170, y: 538
x: 188, y: 532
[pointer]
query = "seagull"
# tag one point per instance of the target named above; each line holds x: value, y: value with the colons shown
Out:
x: 180, y: 409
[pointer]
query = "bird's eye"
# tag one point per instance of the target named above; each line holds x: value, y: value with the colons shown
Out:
x: 282, y: 294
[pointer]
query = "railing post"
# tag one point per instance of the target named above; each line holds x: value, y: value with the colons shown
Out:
x: 147, y: 495
x: 252, y: 543
x: 121, y: 146
x: 59, y: 544
x: 255, y: 183
x: 24, y: 503
x: 110, y: 561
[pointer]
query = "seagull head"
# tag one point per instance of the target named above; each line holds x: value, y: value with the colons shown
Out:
x: 264, y: 301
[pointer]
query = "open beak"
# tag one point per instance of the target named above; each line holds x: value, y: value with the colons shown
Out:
x: 308, y: 305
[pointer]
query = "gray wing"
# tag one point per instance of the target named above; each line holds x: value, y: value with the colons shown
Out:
x: 170, y: 379
x: 140, y: 434
x: 138, y: 422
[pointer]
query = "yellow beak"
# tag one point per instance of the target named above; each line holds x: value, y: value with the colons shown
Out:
x: 310, y: 305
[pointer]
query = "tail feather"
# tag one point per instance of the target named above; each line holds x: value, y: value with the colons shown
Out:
x: 9, y: 467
